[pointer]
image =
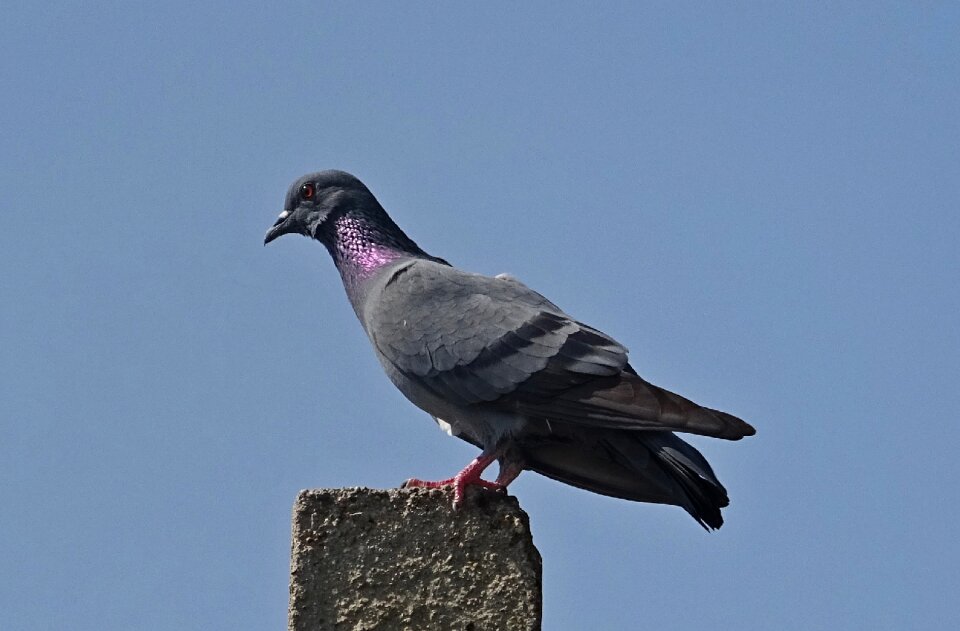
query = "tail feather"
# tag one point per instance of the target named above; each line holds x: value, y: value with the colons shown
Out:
x: 655, y: 467
x: 705, y: 495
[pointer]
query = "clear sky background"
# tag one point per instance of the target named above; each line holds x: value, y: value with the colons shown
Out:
x: 762, y: 202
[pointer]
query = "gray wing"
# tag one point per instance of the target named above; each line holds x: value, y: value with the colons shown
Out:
x: 473, y: 340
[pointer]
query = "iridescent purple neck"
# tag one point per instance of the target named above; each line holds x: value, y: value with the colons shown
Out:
x: 363, y: 240
x: 361, y: 244
x: 360, y: 249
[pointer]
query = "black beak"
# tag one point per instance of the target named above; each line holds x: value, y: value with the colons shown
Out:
x: 280, y: 227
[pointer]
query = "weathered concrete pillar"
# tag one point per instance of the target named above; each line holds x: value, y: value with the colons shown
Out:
x: 404, y: 559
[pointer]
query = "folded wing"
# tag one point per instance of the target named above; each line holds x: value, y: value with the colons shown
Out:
x: 476, y: 340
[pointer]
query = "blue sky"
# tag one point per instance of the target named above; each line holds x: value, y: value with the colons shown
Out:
x: 761, y: 201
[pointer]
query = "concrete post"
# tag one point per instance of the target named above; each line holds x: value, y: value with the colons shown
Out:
x: 365, y: 559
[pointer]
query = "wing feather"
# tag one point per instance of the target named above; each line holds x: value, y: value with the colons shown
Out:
x: 476, y: 340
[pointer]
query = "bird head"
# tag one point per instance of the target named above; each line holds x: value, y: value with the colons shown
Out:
x: 313, y: 199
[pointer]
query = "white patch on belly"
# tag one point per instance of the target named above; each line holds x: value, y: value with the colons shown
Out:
x: 445, y: 426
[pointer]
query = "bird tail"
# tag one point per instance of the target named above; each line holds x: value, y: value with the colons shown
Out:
x: 653, y: 467
x: 705, y: 496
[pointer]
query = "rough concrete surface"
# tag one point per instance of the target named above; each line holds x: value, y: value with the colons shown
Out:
x: 365, y: 559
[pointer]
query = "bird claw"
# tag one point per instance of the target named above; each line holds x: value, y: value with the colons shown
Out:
x: 459, y: 484
x: 416, y: 483
x: 470, y: 476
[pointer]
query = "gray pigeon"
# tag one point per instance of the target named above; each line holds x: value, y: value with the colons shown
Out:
x: 500, y: 366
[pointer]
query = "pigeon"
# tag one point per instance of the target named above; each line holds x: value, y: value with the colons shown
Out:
x: 500, y: 366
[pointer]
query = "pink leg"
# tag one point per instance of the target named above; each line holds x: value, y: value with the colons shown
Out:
x: 470, y: 476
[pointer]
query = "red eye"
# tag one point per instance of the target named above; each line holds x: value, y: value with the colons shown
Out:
x: 307, y: 191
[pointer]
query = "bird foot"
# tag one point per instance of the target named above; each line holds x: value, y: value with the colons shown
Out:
x: 470, y: 476
x: 459, y: 484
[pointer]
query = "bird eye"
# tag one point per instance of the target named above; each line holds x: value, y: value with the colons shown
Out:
x: 307, y: 191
